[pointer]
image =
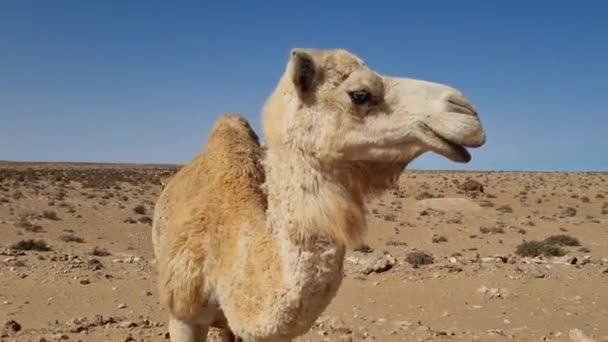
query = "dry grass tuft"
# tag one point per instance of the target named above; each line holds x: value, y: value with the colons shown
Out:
x: 100, y: 252
x: 71, y: 238
x: 562, y: 240
x: 31, y: 245
x: 438, y: 239
x: 491, y: 230
x: 418, y: 258
x: 50, y: 215
x: 140, y: 209
x: 537, y: 248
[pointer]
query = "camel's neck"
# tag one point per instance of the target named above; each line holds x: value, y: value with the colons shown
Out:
x: 290, y: 269
x: 306, y: 206
x: 307, y: 215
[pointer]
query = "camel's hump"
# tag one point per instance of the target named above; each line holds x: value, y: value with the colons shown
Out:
x: 233, y: 150
x: 227, y: 173
x: 233, y: 127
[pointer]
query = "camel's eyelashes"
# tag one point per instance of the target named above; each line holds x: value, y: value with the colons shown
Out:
x: 360, y: 97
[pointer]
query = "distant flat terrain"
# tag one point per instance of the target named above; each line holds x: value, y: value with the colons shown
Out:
x: 440, y: 263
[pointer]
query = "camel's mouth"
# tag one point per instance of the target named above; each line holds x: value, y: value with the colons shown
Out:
x: 452, y: 150
x: 444, y: 146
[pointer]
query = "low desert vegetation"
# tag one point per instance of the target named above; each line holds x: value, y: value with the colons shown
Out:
x: 71, y: 238
x: 550, y: 246
x: 390, y: 217
x: 419, y: 258
x: 140, y: 209
x: 31, y: 245
x: 26, y: 221
x: 50, y: 215
x: 100, y: 252
x: 537, y: 248
x: 439, y: 239
x: 562, y: 240
x: 491, y: 230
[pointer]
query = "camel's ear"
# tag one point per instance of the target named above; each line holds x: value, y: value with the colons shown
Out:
x: 304, y: 70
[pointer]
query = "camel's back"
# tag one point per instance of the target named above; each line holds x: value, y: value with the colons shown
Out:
x: 219, y: 185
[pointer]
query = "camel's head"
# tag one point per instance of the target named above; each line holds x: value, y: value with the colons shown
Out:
x: 330, y: 106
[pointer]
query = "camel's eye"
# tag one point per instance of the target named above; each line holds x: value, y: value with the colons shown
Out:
x: 360, y: 97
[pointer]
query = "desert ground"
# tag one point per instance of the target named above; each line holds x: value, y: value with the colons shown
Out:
x: 463, y: 256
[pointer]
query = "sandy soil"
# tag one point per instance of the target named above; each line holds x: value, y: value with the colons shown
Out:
x: 441, y: 261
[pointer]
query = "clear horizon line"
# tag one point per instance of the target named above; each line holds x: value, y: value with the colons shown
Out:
x: 167, y: 164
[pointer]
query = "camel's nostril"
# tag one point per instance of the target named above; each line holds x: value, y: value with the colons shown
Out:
x: 460, y: 105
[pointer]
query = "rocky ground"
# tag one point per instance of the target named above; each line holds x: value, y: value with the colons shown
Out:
x: 457, y: 256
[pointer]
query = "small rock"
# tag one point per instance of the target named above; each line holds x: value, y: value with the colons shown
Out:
x: 11, y: 328
x: 512, y: 259
x: 576, y: 335
x: 60, y: 336
x: 568, y: 260
x: 381, y: 264
x: 586, y: 260
x: 500, y: 258
x: 332, y: 325
x: 122, y: 306
x: 127, y: 324
x: 568, y: 212
x: 76, y: 325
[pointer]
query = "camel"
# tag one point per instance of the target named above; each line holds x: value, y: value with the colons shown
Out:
x: 251, y: 240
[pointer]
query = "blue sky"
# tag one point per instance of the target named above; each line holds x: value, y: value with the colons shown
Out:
x: 142, y: 81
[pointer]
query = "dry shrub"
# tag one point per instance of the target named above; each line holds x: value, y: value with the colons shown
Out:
x: 31, y: 245
x: 71, y: 238
x: 390, y: 217
x: 140, y: 209
x: 491, y: 230
x: 438, y: 239
x: 424, y: 195
x: 100, y: 252
x: 50, y: 215
x: 562, y: 240
x: 568, y: 212
x: 419, y: 258
x: 536, y: 248
x: 25, y: 222
x: 145, y: 220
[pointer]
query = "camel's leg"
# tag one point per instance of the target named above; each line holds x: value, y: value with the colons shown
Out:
x: 181, y: 331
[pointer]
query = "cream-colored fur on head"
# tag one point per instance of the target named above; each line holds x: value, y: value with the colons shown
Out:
x: 251, y: 239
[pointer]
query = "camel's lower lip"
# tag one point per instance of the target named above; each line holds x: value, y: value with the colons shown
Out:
x: 448, y: 148
x: 456, y: 152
